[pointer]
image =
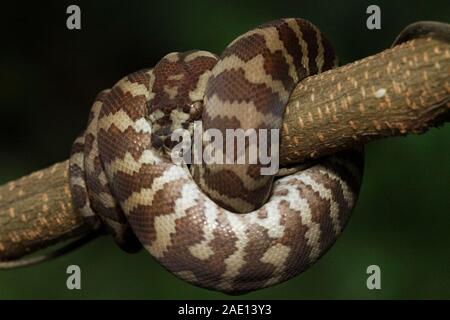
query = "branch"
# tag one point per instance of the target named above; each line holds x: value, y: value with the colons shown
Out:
x: 399, y: 91
x: 36, y: 211
x: 396, y: 92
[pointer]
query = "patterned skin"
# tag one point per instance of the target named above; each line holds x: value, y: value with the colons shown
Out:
x: 249, y: 88
x: 121, y: 172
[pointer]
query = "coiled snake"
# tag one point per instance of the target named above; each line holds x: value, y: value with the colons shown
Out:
x: 122, y: 175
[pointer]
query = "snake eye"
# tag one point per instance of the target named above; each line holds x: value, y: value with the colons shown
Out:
x: 196, y: 110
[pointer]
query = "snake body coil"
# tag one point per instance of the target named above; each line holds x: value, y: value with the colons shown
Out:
x: 121, y: 172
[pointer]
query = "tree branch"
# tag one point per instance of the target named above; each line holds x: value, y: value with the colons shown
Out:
x: 396, y: 92
x: 36, y: 211
x: 399, y: 91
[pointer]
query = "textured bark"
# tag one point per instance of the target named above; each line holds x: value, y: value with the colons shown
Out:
x: 36, y: 211
x: 399, y: 91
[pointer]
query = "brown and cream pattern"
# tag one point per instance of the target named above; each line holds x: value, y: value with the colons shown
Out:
x: 122, y: 175
x: 249, y: 88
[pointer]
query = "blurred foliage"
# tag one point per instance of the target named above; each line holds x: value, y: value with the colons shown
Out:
x: 49, y: 77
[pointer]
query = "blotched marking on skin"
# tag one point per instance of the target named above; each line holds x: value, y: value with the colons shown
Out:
x: 129, y: 165
x: 303, y: 45
x: 172, y: 57
x: 348, y: 194
x: 175, y: 77
x: 273, y: 43
x: 217, y: 195
x: 249, y: 117
x: 133, y: 88
x: 257, y: 63
x: 122, y: 121
x: 165, y: 225
x: 172, y: 91
x: 276, y: 255
x: 313, y: 233
x: 178, y: 117
x: 199, y: 91
x: 187, y: 275
x: 145, y: 195
x: 320, y: 50
x: 327, y: 194
x: 197, y: 54
x: 235, y: 262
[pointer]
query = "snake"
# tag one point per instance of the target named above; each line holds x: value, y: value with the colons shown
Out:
x: 224, y: 227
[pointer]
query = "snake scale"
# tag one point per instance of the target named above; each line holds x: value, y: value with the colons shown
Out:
x: 224, y: 227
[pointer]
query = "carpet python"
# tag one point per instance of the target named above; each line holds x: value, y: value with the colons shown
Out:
x: 222, y: 227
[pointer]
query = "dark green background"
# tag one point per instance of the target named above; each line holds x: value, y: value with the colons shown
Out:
x: 49, y: 77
